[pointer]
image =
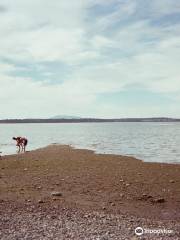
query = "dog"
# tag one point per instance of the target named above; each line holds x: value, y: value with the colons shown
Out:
x: 21, y: 143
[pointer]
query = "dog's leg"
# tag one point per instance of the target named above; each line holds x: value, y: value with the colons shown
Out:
x: 19, y: 148
x: 23, y: 148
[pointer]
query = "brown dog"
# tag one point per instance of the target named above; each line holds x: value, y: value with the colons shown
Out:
x: 21, y: 143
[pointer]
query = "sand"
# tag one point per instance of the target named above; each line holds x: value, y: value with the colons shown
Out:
x: 101, y: 196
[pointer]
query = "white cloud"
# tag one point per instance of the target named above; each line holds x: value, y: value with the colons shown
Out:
x: 102, y: 58
x: 24, y: 97
x: 165, y: 7
x: 123, y: 10
x: 34, y: 30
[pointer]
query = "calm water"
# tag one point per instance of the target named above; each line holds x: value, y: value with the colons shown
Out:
x: 157, y: 142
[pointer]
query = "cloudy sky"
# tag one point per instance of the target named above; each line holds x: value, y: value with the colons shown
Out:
x: 91, y: 58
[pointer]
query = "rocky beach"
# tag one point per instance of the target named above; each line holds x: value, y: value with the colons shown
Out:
x: 59, y: 192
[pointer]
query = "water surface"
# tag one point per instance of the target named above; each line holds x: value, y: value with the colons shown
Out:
x: 153, y: 142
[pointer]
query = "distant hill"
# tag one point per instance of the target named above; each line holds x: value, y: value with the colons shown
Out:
x: 65, y: 117
x: 84, y: 120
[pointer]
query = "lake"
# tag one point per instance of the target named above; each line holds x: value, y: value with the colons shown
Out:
x: 149, y: 141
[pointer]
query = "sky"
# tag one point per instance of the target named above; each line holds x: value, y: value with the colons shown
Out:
x: 89, y: 58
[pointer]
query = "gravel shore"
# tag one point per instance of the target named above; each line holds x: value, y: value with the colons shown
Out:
x: 63, y: 193
x: 39, y: 222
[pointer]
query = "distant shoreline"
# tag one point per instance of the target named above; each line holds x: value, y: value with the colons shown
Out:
x: 89, y: 120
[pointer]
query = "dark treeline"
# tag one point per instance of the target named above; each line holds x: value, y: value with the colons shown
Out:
x: 84, y: 120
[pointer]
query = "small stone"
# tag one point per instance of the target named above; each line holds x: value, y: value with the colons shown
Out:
x: 171, y: 181
x: 25, y: 169
x: 159, y: 200
x: 112, y: 204
x: 40, y: 201
x: 127, y: 184
x: 56, y: 194
x: 146, y: 196
x: 54, y: 199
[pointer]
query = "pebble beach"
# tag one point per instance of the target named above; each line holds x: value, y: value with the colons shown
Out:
x: 59, y: 192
